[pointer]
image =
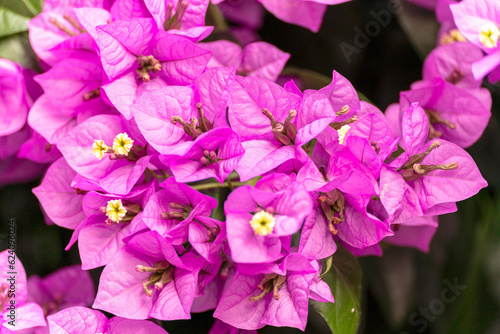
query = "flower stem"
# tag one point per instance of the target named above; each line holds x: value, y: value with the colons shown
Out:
x: 214, y: 185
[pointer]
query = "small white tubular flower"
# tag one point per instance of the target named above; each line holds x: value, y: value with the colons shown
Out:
x: 489, y: 35
x: 263, y: 223
x: 99, y: 148
x: 342, y: 131
x: 115, y: 210
x: 122, y: 144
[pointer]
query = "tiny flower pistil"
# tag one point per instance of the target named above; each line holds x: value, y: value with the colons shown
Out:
x: 147, y: 64
x: 489, y: 35
x: 196, y: 126
x: 270, y: 282
x: 161, y: 274
x: 173, y: 21
x: 177, y: 211
x: 115, y: 210
x: 285, y: 132
x: 263, y: 222
x: 122, y: 144
x: 332, y: 204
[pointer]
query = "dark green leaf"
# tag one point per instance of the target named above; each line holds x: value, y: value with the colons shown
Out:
x: 11, y: 22
x: 34, y: 6
x: 16, y: 6
x: 17, y: 48
x: 344, y: 279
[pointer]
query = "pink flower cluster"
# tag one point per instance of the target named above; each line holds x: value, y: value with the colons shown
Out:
x: 475, y: 22
x: 138, y: 118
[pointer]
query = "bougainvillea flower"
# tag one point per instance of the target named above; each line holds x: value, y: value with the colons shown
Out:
x: 138, y: 44
x: 14, y: 102
x: 453, y: 175
x: 147, y: 278
x: 16, y: 313
x: 61, y: 202
x: 109, y: 219
x: 80, y: 319
x: 452, y: 62
x: 258, y: 59
x: 478, y: 21
x: 258, y: 218
x: 116, y: 172
x: 169, y: 115
x: 213, y: 154
x: 454, y: 114
x: 275, y: 295
x: 134, y: 51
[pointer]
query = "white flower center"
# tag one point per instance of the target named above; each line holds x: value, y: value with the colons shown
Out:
x: 122, y: 144
x: 489, y: 35
x: 263, y: 223
x: 99, y: 148
x: 115, y: 210
x: 342, y: 131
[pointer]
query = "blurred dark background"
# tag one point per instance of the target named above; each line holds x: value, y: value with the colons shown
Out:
x: 400, y: 286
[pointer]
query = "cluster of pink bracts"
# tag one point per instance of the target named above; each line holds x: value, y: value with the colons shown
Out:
x: 143, y: 125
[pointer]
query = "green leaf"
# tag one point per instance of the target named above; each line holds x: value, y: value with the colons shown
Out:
x: 12, y: 23
x: 17, y: 48
x: 16, y: 6
x: 34, y: 6
x: 344, y: 279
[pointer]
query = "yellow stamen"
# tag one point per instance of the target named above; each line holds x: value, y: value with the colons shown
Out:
x: 489, y: 35
x: 99, y: 148
x: 122, y: 144
x: 452, y: 36
x: 262, y: 223
x: 115, y: 210
x: 342, y: 131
